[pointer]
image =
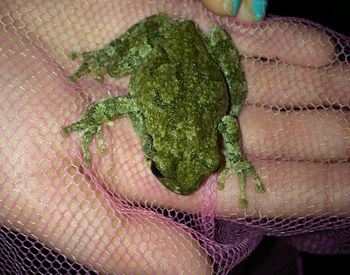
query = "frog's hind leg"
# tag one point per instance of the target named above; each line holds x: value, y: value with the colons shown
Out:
x: 90, y: 124
x: 224, y: 52
x: 125, y: 53
x: 235, y: 161
x: 94, y: 63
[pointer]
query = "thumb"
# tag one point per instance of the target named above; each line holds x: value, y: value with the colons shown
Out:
x: 245, y: 10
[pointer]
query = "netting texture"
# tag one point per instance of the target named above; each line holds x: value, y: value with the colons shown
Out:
x: 59, y: 215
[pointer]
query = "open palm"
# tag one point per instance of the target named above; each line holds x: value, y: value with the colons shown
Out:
x: 295, y: 130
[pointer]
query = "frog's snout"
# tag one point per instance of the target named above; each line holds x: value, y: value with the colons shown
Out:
x: 176, y: 186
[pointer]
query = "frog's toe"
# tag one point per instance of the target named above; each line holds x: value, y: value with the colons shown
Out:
x: 87, y: 131
x: 86, y: 153
x: 73, y: 78
x: 100, y: 143
x: 89, y: 66
x: 260, y: 188
x: 78, y: 126
x: 67, y: 130
x: 81, y: 72
x: 102, y: 147
x: 222, y: 180
x: 74, y: 55
x: 242, y: 203
x: 87, y: 136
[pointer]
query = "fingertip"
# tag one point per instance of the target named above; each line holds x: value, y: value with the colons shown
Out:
x: 252, y: 10
x: 246, y: 10
x: 259, y: 9
x: 223, y: 7
x: 219, y: 7
x: 235, y: 4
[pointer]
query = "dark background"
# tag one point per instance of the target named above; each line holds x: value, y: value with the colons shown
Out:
x: 273, y: 257
x: 333, y: 14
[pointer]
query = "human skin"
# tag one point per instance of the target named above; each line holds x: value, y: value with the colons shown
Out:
x: 47, y: 192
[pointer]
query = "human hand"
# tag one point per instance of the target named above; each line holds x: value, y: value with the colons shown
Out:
x: 84, y: 212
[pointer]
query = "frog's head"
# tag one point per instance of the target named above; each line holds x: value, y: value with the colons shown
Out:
x: 185, y: 175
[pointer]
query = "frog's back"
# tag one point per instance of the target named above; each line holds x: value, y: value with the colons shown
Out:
x: 181, y: 92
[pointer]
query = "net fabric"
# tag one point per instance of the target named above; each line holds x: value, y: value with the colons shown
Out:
x: 59, y: 215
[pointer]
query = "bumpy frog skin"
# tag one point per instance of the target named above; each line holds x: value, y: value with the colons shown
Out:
x: 185, y: 90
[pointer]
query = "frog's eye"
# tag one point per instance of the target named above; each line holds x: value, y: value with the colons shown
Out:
x: 156, y: 171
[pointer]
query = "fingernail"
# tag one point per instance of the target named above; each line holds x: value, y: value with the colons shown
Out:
x: 259, y: 8
x: 232, y: 6
x: 235, y: 8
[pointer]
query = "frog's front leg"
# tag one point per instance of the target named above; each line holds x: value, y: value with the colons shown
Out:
x: 90, y: 124
x: 235, y: 161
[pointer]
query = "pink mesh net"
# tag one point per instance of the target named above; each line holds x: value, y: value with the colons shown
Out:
x: 60, y: 216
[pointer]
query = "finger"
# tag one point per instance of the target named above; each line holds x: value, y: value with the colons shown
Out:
x: 282, y: 85
x: 246, y: 10
x: 318, y: 135
x: 90, y: 26
x: 47, y: 194
x: 283, y: 39
x: 293, y: 189
x: 306, y: 137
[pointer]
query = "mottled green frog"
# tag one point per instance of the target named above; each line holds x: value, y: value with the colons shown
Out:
x: 186, y: 89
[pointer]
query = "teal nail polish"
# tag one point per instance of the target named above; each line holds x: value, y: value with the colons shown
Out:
x: 235, y: 4
x: 259, y: 8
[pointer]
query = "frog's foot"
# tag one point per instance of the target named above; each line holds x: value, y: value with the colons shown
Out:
x: 94, y: 63
x: 243, y: 169
x: 88, y: 131
x: 235, y: 160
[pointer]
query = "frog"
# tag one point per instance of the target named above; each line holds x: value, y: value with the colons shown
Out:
x: 185, y: 93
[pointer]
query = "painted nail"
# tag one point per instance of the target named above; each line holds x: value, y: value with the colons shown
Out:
x: 236, y: 4
x: 232, y: 6
x: 259, y: 8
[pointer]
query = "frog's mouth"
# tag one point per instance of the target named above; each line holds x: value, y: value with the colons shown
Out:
x: 156, y: 171
x: 173, y: 184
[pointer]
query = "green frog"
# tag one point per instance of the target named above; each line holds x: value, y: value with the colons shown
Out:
x: 186, y: 90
